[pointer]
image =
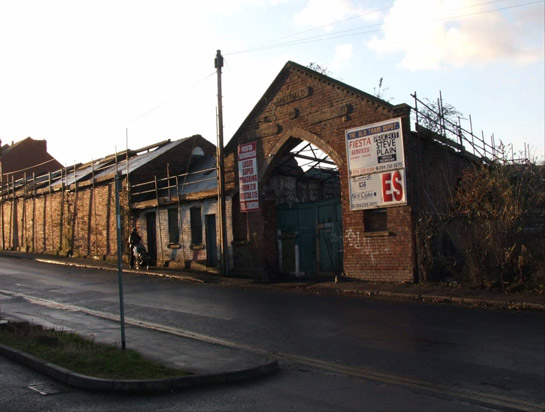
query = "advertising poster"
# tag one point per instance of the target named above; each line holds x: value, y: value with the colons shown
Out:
x: 247, y: 177
x: 376, y: 147
x: 378, y: 190
x: 376, y: 165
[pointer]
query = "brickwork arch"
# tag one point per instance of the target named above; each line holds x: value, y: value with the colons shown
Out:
x: 297, y: 133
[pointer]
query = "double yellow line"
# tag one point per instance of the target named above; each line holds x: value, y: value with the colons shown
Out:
x: 456, y: 393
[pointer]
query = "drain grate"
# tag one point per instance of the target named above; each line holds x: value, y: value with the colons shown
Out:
x: 46, y: 389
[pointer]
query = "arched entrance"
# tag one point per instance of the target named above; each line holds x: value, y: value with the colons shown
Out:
x: 304, y: 181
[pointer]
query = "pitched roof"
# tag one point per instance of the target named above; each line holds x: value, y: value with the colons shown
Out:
x: 9, y: 147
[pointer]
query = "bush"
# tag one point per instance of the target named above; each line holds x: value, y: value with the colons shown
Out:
x: 494, y: 229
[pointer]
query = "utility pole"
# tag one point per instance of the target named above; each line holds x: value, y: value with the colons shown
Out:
x: 218, y: 62
x: 2, y: 196
x: 119, y: 259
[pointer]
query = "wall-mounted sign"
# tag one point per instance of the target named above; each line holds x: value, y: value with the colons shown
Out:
x: 378, y: 190
x: 247, y: 177
x: 376, y: 164
x: 375, y: 148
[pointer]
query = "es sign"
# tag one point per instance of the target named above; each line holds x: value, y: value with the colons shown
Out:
x: 378, y: 190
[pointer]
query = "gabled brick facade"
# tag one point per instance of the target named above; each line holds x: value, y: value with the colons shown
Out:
x: 305, y: 105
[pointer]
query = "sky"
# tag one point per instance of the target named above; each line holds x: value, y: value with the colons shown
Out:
x: 90, y: 76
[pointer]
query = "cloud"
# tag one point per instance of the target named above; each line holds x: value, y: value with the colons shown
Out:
x: 318, y: 13
x: 343, y: 54
x: 431, y: 34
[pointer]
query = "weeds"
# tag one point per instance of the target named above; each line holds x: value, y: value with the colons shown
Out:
x: 82, y: 355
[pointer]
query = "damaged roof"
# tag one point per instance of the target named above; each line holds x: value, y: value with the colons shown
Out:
x: 111, y: 165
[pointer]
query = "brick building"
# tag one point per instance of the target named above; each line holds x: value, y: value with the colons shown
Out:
x: 302, y: 219
x: 26, y: 157
x: 299, y: 203
x: 72, y: 211
x: 179, y: 222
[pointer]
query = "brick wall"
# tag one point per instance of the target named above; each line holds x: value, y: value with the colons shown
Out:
x: 184, y: 253
x: 433, y: 170
x: 67, y: 222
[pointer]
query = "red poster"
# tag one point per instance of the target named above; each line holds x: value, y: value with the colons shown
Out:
x: 247, y: 177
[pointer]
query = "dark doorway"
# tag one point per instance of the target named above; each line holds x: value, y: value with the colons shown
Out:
x: 211, y: 247
x: 307, y: 193
x: 152, y: 237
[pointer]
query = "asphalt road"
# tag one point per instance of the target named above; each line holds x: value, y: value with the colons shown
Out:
x: 336, y: 353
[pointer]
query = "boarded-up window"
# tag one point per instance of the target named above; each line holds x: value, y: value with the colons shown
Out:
x: 375, y: 220
x: 196, y: 226
x: 173, y: 227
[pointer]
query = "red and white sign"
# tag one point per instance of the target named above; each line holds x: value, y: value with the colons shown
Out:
x: 378, y: 190
x: 376, y: 165
x: 247, y: 177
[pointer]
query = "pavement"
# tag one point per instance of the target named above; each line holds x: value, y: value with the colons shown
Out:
x: 212, y: 362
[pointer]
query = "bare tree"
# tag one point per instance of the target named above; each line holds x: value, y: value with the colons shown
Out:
x: 380, y: 91
x: 437, y: 116
x: 319, y: 68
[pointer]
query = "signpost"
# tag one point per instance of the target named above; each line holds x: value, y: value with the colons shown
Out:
x: 119, y: 259
x: 376, y: 165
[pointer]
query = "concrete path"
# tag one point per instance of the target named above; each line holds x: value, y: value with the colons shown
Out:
x: 209, y: 363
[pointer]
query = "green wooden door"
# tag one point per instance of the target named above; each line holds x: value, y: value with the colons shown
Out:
x: 310, y: 236
x: 330, y: 244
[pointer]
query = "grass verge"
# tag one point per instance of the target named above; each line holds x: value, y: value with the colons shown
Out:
x: 81, y: 355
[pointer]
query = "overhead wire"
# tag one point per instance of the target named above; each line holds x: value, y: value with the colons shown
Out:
x: 327, y: 25
x: 356, y: 31
x: 370, y: 28
x: 172, y: 97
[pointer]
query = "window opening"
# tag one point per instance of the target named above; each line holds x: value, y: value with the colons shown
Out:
x: 173, y: 227
x: 375, y: 220
x: 196, y: 226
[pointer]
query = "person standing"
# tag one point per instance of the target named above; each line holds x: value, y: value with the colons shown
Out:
x: 134, y: 239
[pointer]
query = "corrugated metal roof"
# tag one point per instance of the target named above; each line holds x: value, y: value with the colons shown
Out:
x: 107, y: 167
x: 139, y: 160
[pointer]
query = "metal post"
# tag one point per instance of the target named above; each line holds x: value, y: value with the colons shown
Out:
x: 24, y: 217
x: 51, y: 224
x: 159, y: 217
x: 119, y: 259
x: 2, y: 206
x: 460, y: 135
x: 2, y: 196
x: 419, y: 148
x: 472, y: 135
x: 221, y: 172
x: 33, y: 212
x: 12, y: 215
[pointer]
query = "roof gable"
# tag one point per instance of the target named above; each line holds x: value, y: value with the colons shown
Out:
x: 277, y: 83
